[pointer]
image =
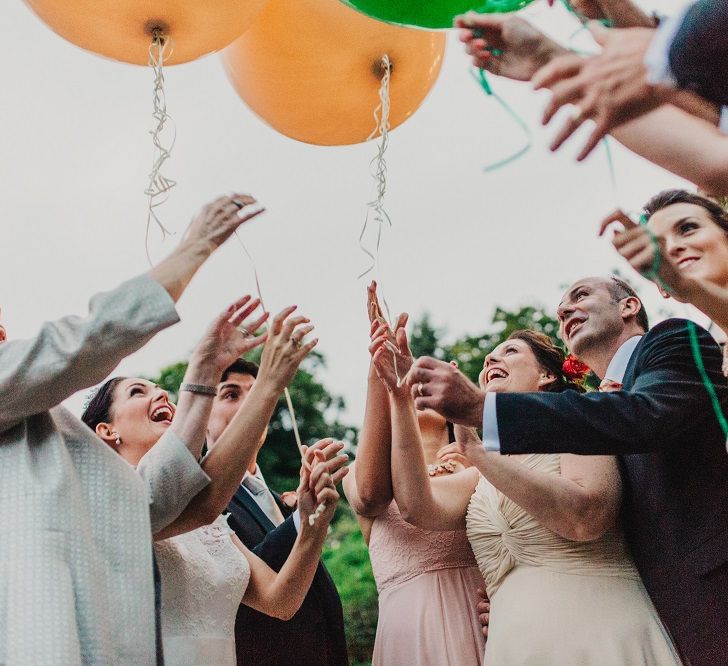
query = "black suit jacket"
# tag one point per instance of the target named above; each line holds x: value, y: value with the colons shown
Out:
x: 674, y: 465
x: 699, y: 53
x: 314, y: 636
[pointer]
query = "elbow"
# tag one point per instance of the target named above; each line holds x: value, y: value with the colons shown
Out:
x: 371, y: 504
x: 590, y: 521
x: 285, y: 611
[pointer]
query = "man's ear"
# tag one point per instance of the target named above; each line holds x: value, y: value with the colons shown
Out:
x: 631, y: 307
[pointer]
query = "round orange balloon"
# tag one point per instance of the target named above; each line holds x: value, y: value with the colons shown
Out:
x: 122, y: 29
x: 312, y: 69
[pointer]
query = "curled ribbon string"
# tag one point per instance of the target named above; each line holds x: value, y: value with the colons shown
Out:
x: 286, y: 393
x: 289, y: 403
x: 375, y: 208
x: 159, y: 185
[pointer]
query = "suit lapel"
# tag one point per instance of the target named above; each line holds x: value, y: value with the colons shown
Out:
x: 243, y: 496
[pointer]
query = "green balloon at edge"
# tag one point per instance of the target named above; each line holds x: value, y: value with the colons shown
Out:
x: 431, y: 13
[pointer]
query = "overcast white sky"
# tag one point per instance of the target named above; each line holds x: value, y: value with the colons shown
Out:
x: 76, y: 152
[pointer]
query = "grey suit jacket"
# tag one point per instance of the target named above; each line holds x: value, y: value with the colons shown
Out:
x: 75, y: 531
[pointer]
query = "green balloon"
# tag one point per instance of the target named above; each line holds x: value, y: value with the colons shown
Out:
x: 431, y: 13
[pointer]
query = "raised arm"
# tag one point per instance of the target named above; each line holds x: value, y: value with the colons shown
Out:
x: 437, y: 504
x: 233, y: 452
x: 281, y: 594
x: 74, y: 353
x: 369, y: 488
x: 581, y: 504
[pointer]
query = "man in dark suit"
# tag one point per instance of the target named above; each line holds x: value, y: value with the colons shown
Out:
x: 659, y: 421
x: 268, y: 527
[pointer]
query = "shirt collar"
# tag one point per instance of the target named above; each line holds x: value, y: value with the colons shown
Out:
x: 618, y: 365
x: 258, y: 474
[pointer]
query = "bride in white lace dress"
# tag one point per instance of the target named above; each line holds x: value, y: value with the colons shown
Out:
x: 206, y: 571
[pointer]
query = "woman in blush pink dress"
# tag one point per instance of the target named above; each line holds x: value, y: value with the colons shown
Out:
x: 427, y: 580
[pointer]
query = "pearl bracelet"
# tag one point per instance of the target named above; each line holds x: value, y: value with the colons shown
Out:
x: 199, y: 388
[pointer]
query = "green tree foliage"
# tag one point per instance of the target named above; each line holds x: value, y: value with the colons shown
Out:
x: 346, y: 556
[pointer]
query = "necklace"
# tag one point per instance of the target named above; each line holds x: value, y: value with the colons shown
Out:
x: 447, y: 467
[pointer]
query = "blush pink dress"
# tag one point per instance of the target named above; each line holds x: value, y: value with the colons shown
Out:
x: 427, y: 583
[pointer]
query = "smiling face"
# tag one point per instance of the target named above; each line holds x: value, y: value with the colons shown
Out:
x: 512, y: 367
x: 590, y: 316
x: 140, y: 414
x: 693, y: 241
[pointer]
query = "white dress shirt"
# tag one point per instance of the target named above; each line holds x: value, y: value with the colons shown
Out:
x: 615, y: 372
x: 277, y: 516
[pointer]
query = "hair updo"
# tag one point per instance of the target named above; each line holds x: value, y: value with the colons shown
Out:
x: 550, y: 358
x: 99, y: 407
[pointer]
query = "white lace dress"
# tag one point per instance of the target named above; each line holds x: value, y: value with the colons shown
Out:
x: 204, y: 577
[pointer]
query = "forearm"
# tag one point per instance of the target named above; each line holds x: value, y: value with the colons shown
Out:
x: 175, y: 272
x: 711, y: 299
x: 372, y: 469
x: 417, y: 499
x: 281, y: 595
x: 74, y: 353
x: 228, y: 460
x: 193, y: 409
x: 625, y: 14
x: 559, y: 504
x: 681, y: 143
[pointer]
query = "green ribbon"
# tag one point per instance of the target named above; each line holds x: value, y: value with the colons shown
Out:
x: 482, y: 79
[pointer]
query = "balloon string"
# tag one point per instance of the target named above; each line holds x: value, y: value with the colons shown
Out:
x: 375, y: 208
x: 158, y: 188
x: 481, y: 78
x: 286, y: 393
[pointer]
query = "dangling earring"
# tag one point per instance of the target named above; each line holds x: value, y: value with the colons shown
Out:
x: 117, y: 441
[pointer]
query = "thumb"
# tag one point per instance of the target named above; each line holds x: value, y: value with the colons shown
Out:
x: 599, y: 32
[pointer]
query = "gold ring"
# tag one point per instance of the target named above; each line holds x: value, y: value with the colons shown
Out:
x: 419, y: 390
x: 245, y: 332
x: 238, y: 203
x: 296, y: 343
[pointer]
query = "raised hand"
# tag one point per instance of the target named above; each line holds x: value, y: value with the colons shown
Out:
x: 610, y: 88
x: 217, y: 221
x: 506, y: 45
x: 226, y: 339
x: 441, y: 386
x: 317, y: 495
x: 467, y: 442
x: 619, y: 13
x: 637, y: 245
x: 391, y: 361
x: 284, y: 349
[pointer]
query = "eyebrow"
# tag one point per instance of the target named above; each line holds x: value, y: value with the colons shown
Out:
x: 574, y: 292
x: 132, y: 385
x: 235, y: 386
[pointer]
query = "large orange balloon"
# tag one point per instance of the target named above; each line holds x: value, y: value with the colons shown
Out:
x: 312, y: 69
x: 122, y: 29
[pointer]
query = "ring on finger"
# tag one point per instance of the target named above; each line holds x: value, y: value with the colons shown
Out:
x: 246, y: 332
x: 296, y: 343
x: 420, y: 391
x: 239, y: 204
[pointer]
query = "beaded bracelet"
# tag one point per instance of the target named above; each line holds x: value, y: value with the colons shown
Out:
x: 199, y: 388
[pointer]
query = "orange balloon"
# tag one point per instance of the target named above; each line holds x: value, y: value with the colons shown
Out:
x: 312, y: 69
x: 122, y: 29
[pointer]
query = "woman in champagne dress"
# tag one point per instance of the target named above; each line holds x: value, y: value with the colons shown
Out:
x: 427, y: 580
x: 563, y: 588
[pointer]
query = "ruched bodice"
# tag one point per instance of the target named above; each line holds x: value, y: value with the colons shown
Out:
x: 400, y: 551
x: 503, y: 535
x: 556, y: 602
